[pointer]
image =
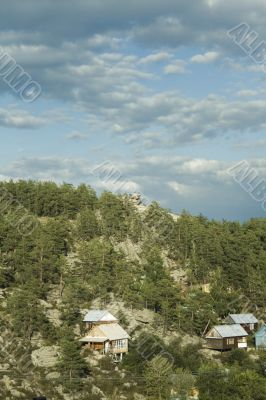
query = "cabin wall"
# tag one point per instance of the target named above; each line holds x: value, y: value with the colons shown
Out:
x: 118, y: 346
x: 96, y: 346
x: 230, y: 343
x: 227, y: 343
x: 260, y: 342
x: 250, y: 328
x: 114, y: 347
x: 216, y: 344
x: 90, y: 325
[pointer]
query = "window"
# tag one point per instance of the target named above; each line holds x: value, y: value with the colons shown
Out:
x: 119, y: 344
x: 230, y: 341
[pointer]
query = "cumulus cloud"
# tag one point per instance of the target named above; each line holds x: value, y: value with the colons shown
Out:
x: 208, y: 57
x: 247, y: 93
x: 13, y: 118
x: 174, y: 181
x: 47, y: 168
x: 153, y: 22
x: 180, y: 188
x: 155, y: 57
x: 110, y: 63
x: 184, y: 120
x: 177, y: 67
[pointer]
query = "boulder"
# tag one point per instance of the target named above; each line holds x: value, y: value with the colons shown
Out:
x: 45, y: 357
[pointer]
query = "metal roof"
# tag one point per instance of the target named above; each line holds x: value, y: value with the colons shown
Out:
x: 227, y: 331
x: 105, y: 332
x: 98, y: 315
x: 243, y: 318
x: 113, y: 331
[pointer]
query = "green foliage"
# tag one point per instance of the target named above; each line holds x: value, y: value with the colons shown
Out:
x: 182, y: 382
x: 186, y: 357
x: 144, y: 348
x: 196, y: 312
x: 50, y: 200
x: 240, y: 358
x: 158, y: 222
x: 113, y: 213
x: 72, y: 365
x: 28, y: 316
x: 87, y: 225
x: 214, y: 382
x: 79, y: 252
x: 97, y: 262
x: 158, y: 375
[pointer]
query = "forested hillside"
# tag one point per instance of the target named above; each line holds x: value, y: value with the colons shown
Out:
x: 167, y: 278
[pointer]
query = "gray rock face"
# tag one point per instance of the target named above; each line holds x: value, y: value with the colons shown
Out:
x: 45, y: 357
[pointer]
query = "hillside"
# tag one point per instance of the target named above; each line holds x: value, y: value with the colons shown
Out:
x: 63, y: 250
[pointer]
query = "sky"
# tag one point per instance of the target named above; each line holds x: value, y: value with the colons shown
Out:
x: 156, y: 91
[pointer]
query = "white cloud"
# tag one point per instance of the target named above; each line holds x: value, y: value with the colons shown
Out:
x: 14, y: 118
x: 99, y: 40
x: 247, y: 93
x: 119, y: 186
x: 180, y: 188
x: 177, y: 67
x: 205, y: 58
x: 156, y: 57
x: 199, y: 166
x: 174, y: 181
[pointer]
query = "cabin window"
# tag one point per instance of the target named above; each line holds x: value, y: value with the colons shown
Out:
x: 251, y: 326
x: 119, y: 344
x: 242, y: 340
x: 230, y: 341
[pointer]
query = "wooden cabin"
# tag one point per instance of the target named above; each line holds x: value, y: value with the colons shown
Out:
x: 98, y: 317
x: 227, y: 337
x: 260, y: 338
x: 248, y: 321
x: 105, y: 334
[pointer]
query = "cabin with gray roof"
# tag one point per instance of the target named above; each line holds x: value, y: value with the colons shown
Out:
x: 248, y: 321
x: 104, y: 334
x: 97, y: 317
x: 227, y: 337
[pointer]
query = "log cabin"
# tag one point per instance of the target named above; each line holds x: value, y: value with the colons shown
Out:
x: 227, y: 337
x: 248, y: 321
x: 98, y: 317
x: 105, y: 334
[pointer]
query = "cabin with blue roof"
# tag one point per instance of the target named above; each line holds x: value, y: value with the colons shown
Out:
x: 260, y: 338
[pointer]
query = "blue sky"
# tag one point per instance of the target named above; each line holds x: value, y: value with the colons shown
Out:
x: 157, y: 89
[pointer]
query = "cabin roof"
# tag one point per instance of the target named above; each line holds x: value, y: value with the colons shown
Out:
x: 114, y: 332
x: 227, y: 331
x: 93, y: 339
x: 243, y: 318
x: 261, y: 331
x: 99, y: 315
x: 104, y: 332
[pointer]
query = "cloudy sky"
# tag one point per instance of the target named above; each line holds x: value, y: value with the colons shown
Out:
x: 155, y: 90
